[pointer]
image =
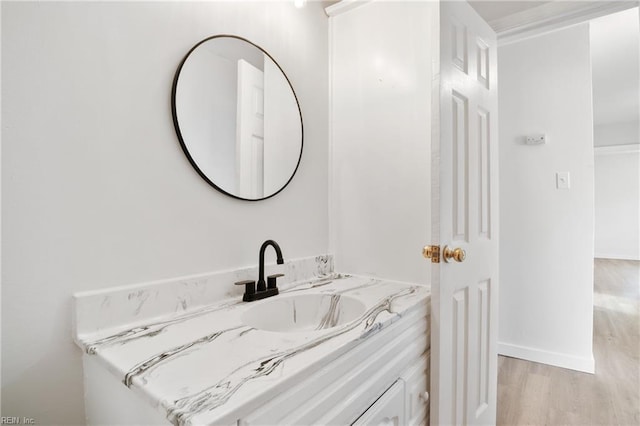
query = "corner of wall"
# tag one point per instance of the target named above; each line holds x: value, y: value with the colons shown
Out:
x: 556, y: 359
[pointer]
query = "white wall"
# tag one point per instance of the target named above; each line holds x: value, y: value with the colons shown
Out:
x: 96, y: 191
x: 615, y: 67
x: 381, y: 109
x: 615, y: 63
x: 617, y: 202
x: 622, y: 133
x: 546, y: 234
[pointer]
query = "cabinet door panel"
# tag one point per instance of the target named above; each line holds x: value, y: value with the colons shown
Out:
x: 388, y: 410
x: 417, y: 388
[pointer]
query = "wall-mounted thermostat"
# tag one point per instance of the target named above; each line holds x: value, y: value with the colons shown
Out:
x: 536, y: 139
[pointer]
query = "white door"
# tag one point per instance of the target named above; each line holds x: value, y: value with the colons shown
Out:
x: 465, y: 291
x: 250, y: 131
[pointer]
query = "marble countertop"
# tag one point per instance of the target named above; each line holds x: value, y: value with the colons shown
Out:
x: 205, y: 365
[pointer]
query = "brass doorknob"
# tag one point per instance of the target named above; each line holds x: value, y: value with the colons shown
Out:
x: 456, y: 254
x: 432, y: 252
x: 428, y: 251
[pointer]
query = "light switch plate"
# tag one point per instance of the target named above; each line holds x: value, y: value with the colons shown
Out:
x: 562, y: 180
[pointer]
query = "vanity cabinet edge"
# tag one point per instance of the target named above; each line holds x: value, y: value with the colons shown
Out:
x: 341, y: 391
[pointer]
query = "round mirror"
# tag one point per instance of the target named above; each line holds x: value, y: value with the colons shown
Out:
x: 237, y: 117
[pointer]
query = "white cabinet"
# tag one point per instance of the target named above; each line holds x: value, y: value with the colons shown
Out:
x: 416, y: 381
x: 383, y: 379
x: 388, y: 410
x: 406, y: 402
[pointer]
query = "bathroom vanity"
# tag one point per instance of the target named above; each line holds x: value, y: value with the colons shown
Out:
x: 330, y: 349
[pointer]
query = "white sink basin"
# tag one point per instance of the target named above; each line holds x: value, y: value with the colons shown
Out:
x: 303, y: 312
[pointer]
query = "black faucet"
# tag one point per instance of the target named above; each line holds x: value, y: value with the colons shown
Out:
x: 263, y: 289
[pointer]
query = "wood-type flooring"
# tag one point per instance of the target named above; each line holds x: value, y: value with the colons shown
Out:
x: 535, y: 394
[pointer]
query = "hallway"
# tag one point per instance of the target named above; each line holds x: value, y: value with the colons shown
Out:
x: 536, y: 394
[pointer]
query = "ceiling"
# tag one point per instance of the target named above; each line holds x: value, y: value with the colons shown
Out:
x: 494, y: 10
x: 489, y: 10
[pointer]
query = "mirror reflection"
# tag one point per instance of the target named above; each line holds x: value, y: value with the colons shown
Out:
x: 237, y: 117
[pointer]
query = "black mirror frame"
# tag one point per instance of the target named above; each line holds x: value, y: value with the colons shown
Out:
x: 174, y: 113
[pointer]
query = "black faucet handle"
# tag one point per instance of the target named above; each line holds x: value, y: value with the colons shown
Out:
x: 271, y: 280
x: 250, y: 286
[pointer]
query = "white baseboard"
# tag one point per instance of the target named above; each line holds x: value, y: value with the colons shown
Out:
x: 585, y: 365
x: 618, y: 256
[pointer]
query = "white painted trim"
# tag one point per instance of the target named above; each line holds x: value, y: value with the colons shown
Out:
x: 552, y: 16
x: 331, y: 199
x: 617, y: 149
x: 343, y: 6
x: 1, y: 209
x: 616, y: 256
x: 572, y: 362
